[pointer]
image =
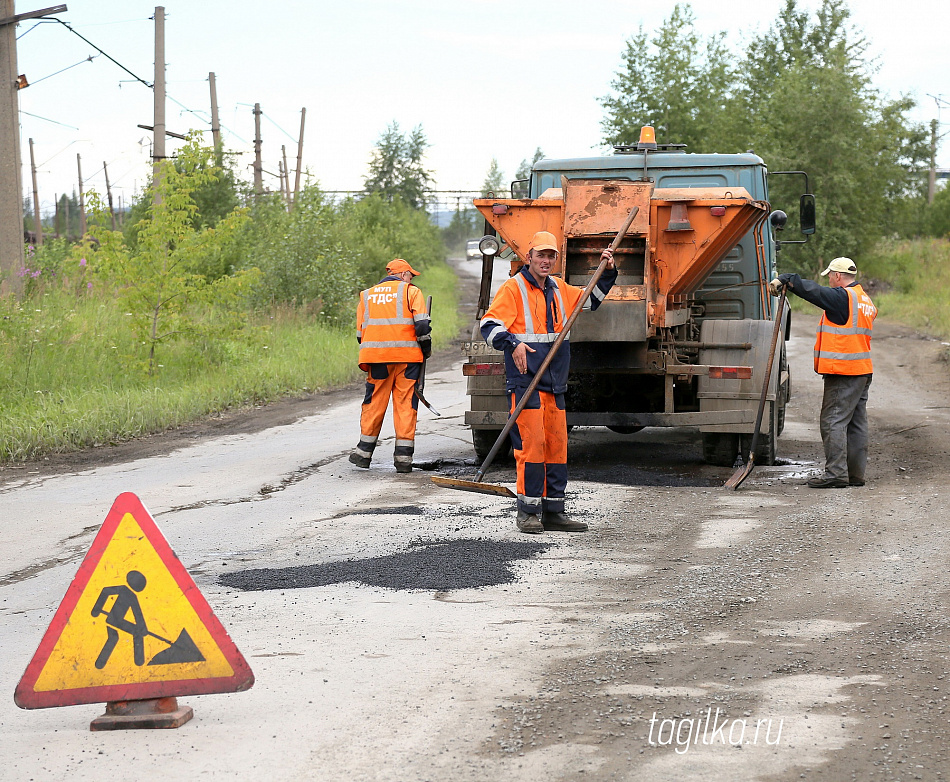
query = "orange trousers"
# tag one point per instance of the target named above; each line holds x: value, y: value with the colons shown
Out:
x: 398, y: 382
x: 539, y: 440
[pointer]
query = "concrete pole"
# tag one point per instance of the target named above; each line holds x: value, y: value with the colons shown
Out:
x: 303, y: 117
x: 82, y: 200
x: 109, y: 193
x: 11, y: 183
x: 258, y: 169
x: 215, y: 124
x: 37, y: 221
x: 932, y: 178
x: 158, y: 143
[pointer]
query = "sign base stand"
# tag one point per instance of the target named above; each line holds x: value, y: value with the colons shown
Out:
x: 149, y: 713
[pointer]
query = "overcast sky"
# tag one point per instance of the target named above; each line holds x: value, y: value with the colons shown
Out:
x: 484, y: 78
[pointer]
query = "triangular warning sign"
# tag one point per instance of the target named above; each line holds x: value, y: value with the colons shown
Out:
x: 133, y: 625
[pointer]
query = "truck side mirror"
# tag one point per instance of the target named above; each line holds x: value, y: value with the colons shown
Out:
x: 806, y: 214
x: 778, y: 218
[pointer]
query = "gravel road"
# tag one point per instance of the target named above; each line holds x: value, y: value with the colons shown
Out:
x: 403, y: 631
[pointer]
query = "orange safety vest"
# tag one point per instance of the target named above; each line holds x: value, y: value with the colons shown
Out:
x: 846, y: 350
x: 386, y: 323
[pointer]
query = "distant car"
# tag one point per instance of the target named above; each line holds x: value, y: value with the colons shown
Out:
x: 471, y: 249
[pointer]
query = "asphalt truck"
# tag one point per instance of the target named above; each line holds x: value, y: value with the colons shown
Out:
x: 684, y: 336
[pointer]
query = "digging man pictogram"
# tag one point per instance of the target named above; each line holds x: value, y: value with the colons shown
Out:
x: 182, y: 650
x: 125, y: 600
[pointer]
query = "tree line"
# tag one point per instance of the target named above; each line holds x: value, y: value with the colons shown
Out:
x: 801, y: 96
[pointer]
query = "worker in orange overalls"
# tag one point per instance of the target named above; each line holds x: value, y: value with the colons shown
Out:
x: 393, y: 329
x: 843, y: 357
x: 524, y: 318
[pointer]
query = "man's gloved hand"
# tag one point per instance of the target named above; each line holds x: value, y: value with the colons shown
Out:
x: 425, y: 343
x: 775, y: 287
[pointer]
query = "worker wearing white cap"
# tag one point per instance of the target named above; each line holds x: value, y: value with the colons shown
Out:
x: 843, y: 358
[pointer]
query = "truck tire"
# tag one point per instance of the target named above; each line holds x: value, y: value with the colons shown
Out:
x: 625, y: 429
x: 767, y: 448
x: 784, y: 392
x: 720, y: 449
x: 484, y: 439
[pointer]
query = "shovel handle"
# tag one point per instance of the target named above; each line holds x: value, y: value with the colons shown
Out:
x: 555, y: 346
x: 780, y: 311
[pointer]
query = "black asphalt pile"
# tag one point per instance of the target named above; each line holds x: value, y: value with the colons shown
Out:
x: 437, y: 565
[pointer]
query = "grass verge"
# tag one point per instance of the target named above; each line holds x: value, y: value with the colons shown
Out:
x: 70, y: 372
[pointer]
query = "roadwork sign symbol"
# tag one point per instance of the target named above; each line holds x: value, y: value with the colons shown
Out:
x: 133, y: 625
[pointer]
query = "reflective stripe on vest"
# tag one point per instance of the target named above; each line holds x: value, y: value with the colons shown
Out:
x: 392, y: 338
x: 530, y: 334
x: 846, y: 349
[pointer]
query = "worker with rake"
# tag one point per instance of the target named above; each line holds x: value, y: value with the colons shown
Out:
x: 524, y: 319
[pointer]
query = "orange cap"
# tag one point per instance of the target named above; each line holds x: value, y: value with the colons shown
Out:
x: 398, y: 266
x: 543, y: 240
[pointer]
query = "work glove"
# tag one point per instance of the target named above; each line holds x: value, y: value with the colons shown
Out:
x: 425, y: 343
x: 775, y: 287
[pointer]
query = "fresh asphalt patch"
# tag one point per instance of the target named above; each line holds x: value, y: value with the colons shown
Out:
x: 429, y: 564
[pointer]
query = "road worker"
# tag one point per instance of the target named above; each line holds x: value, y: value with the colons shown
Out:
x: 843, y: 357
x: 393, y: 329
x: 527, y: 313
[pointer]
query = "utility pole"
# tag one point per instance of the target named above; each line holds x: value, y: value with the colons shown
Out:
x: 285, y: 188
x: 932, y: 179
x: 82, y: 201
x: 303, y: 117
x: 37, y: 222
x: 11, y: 186
x: 158, y: 142
x: 258, y: 170
x: 66, y: 197
x: 109, y: 193
x: 215, y: 124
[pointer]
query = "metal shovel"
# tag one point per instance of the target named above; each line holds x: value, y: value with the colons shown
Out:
x: 490, y: 488
x: 743, y: 472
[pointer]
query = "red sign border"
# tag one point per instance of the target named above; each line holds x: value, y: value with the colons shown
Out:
x: 27, y: 698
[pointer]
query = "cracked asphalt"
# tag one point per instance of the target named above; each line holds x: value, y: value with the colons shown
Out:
x: 773, y: 633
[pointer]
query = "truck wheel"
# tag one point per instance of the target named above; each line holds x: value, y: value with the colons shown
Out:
x: 625, y: 429
x: 720, y: 449
x: 767, y: 447
x: 484, y: 439
x: 784, y: 392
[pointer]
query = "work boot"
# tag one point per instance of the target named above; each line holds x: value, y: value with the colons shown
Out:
x: 359, y: 461
x: 827, y: 482
x: 553, y: 520
x: 855, y: 481
x: 529, y: 522
x: 402, y: 467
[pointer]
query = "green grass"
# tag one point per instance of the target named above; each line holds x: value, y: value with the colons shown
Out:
x: 914, y: 281
x: 71, y: 372
x: 909, y: 281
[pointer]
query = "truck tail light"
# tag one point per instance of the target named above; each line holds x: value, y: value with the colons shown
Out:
x: 730, y: 373
x: 717, y: 211
x: 495, y: 368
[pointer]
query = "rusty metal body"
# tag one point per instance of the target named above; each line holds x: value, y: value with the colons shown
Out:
x: 667, y: 347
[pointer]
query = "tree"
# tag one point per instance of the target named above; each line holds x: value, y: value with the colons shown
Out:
x: 494, y: 181
x: 524, y: 169
x: 162, y: 280
x: 680, y: 83
x: 396, y: 168
x: 807, y: 85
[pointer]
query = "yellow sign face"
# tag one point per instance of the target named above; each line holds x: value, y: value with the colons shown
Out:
x: 132, y: 625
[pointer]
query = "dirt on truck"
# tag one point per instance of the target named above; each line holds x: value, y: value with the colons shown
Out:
x: 683, y: 338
